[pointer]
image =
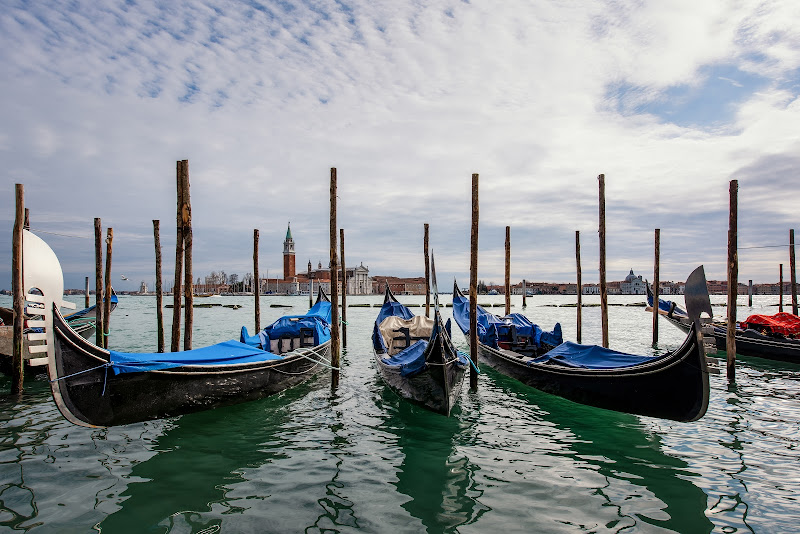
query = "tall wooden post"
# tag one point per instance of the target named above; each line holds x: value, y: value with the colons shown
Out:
x: 310, y: 287
x: 107, y: 292
x: 603, y: 286
x: 159, y: 290
x: 780, y: 289
x: 334, y: 287
x: 427, y: 273
x: 18, y: 289
x: 344, y: 290
x: 86, y: 293
x: 188, y: 284
x: 579, y: 288
x: 656, y: 284
x: 27, y: 224
x: 176, y: 288
x: 473, y: 286
x: 257, y: 290
x: 733, y: 279
x: 508, y: 270
x: 750, y: 293
x: 98, y: 283
x: 792, y: 272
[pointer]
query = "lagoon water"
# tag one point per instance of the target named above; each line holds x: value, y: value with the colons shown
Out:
x: 358, y: 459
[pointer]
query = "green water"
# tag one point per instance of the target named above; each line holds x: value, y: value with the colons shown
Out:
x: 358, y: 459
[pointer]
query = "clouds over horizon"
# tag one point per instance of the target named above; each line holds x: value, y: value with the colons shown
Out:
x: 407, y: 101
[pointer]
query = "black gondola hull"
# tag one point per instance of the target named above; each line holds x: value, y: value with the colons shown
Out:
x: 87, y: 392
x: 670, y: 387
x: 437, y: 387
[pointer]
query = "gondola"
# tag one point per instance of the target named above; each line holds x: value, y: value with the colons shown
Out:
x: 98, y: 388
x: 756, y: 336
x: 672, y: 386
x: 416, y: 357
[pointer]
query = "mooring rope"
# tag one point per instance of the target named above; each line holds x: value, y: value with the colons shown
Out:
x: 62, y: 235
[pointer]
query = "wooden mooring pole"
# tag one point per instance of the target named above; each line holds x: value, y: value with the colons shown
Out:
x: 176, y: 288
x: 603, y: 286
x: 733, y: 280
x: 656, y: 268
x: 427, y: 272
x: 508, y: 270
x: 579, y: 286
x: 750, y: 293
x: 792, y: 272
x: 473, y: 287
x: 344, y: 290
x: 334, y: 287
x: 188, y: 285
x: 257, y: 284
x: 86, y: 293
x: 159, y: 289
x: 18, y: 289
x: 780, y: 288
x: 107, y: 292
x: 98, y: 282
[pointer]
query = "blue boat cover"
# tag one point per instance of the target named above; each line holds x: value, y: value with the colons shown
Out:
x: 570, y: 354
x: 317, y: 319
x: 490, y: 325
x: 225, y: 353
x: 666, y: 305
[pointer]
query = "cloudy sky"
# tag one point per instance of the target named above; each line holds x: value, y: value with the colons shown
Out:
x: 670, y: 100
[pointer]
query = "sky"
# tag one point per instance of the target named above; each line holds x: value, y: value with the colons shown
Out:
x: 407, y: 100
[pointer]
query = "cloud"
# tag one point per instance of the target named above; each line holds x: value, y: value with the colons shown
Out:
x: 407, y: 101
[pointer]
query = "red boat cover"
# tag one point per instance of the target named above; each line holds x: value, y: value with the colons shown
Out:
x: 780, y: 323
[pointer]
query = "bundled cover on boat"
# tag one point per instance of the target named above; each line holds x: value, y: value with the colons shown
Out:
x: 317, y: 321
x: 571, y: 354
x: 781, y: 323
x: 225, y: 353
x: 489, y: 325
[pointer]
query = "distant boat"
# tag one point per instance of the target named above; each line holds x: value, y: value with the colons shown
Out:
x: 493, y: 292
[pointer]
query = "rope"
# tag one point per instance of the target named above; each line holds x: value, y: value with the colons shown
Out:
x: 321, y: 361
x: 82, y: 372
x: 62, y: 235
x: 766, y: 246
x: 470, y: 361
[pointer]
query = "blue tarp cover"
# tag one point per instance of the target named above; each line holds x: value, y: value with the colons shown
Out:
x: 225, y: 353
x: 571, y: 354
x: 318, y: 319
x: 488, y: 324
x: 411, y: 360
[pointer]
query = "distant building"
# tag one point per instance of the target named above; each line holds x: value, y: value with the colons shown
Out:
x: 143, y: 287
x: 633, y: 285
x: 288, y: 255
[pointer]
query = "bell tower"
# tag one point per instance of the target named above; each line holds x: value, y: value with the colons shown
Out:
x: 288, y: 254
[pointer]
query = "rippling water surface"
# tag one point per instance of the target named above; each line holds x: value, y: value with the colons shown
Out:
x: 509, y: 459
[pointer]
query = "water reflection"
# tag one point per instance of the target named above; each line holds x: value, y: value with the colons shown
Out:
x: 584, y: 454
x: 438, y: 479
x: 198, y: 460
